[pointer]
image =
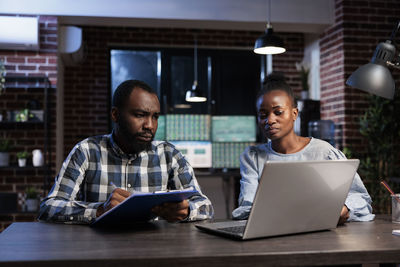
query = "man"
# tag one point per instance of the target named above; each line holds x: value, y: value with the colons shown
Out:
x: 129, y: 159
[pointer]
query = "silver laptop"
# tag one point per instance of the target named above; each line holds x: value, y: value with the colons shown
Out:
x: 293, y: 197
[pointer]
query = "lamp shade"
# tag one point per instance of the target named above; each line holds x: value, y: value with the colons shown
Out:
x: 195, y: 94
x: 269, y: 43
x: 375, y: 77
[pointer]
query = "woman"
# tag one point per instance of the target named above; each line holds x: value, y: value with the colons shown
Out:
x: 277, y: 112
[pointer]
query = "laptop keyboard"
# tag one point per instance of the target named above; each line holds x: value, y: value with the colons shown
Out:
x: 233, y: 229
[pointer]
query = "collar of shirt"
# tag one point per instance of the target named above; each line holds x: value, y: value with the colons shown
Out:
x: 117, y: 150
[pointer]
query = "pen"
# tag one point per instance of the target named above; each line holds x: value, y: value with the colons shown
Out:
x: 113, y: 185
x: 390, y: 190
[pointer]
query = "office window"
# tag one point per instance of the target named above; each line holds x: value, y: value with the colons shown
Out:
x: 229, y: 78
x: 135, y: 64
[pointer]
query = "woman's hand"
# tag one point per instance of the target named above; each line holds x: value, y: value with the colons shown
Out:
x: 344, y: 215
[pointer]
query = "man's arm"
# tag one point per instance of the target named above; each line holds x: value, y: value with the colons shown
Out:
x: 63, y: 204
x: 198, y: 207
x: 173, y: 212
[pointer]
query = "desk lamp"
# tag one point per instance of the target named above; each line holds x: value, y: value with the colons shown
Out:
x: 375, y: 77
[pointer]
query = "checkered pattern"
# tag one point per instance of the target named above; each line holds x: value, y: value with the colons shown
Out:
x: 84, y: 181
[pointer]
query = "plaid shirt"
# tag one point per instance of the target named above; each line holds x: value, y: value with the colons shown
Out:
x: 84, y: 181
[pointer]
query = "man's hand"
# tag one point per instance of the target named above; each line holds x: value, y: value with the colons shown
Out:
x: 344, y: 215
x: 117, y: 196
x: 172, y: 212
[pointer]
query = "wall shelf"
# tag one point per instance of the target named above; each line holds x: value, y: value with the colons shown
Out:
x: 23, y: 89
x: 13, y: 125
x: 27, y: 167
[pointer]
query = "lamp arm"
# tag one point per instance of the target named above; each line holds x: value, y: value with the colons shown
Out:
x: 395, y: 30
x: 396, y: 63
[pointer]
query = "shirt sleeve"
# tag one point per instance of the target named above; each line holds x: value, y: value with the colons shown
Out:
x: 62, y: 204
x: 248, y: 183
x: 358, y: 200
x: 183, y: 177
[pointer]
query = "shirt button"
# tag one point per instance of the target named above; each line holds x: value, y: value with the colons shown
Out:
x: 71, y: 218
x: 129, y: 185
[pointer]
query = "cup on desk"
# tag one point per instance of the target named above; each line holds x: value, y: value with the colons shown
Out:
x: 396, y: 208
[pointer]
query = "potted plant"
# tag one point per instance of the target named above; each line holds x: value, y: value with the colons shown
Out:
x: 24, y: 115
x: 304, y: 71
x: 380, y: 125
x: 31, y: 201
x: 5, y: 147
x: 22, y: 157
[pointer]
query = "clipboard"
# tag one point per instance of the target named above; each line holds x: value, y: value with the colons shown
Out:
x: 137, y: 207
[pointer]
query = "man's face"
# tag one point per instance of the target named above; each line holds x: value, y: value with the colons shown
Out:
x: 137, y: 121
x: 276, y: 114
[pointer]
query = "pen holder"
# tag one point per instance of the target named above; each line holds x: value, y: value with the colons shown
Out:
x: 396, y: 208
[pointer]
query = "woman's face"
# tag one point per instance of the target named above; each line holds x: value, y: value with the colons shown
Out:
x: 276, y: 114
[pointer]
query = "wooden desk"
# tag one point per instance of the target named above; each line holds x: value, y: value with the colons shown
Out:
x: 163, y: 244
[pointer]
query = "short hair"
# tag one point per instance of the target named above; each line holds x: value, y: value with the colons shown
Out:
x: 274, y: 82
x: 124, y: 90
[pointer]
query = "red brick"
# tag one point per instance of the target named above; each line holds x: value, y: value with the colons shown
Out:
x: 52, y: 60
x: 15, y: 60
x: 52, y: 25
x: 6, y: 188
x: 23, y: 68
x: 47, y: 46
x: 10, y: 67
x: 36, y: 60
x: 48, y: 31
x: 46, y: 68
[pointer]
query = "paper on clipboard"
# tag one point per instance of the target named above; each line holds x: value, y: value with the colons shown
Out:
x: 137, y: 207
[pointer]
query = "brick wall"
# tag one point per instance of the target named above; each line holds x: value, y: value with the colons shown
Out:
x: 349, y: 43
x: 86, y: 85
x: 27, y: 136
x: 42, y: 62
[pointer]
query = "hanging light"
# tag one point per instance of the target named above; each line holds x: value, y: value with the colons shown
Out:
x: 269, y: 43
x: 375, y: 77
x: 195, y: 94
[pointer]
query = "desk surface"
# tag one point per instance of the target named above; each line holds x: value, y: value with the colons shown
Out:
x: 160, y: 244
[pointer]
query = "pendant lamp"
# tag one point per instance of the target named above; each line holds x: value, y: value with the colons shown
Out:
x: 375, y: 77
x: 195, y: 94
x: 269, y: 43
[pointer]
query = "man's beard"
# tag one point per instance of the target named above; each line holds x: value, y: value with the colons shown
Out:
x: 138, y: 146
x: 135, y: 145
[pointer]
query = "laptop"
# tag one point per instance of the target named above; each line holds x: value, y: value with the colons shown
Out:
x: 293, y: 197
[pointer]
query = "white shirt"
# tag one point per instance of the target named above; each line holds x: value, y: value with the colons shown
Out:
x: 252, y: 163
